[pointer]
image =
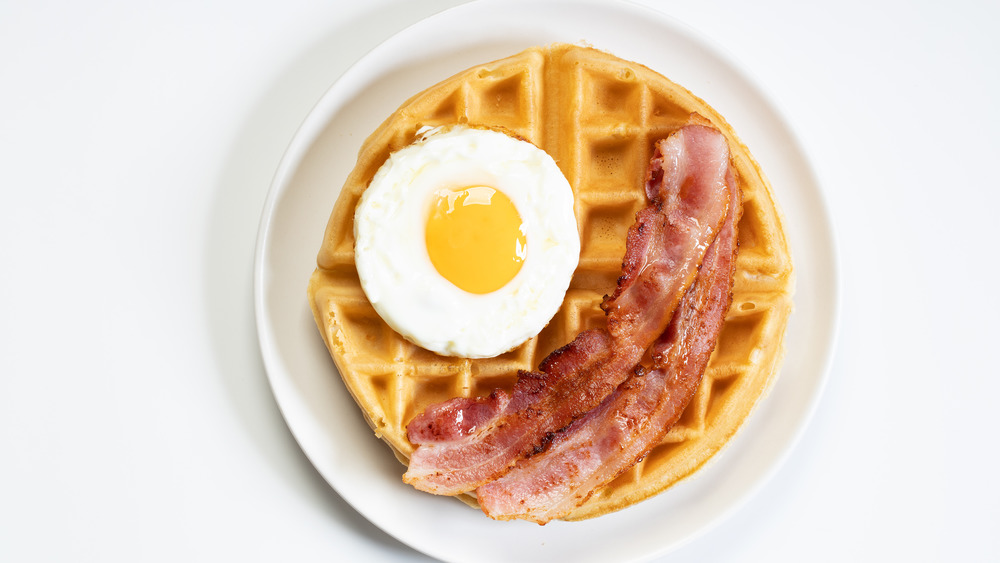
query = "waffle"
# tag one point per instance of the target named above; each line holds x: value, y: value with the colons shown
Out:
x: 599, y: 117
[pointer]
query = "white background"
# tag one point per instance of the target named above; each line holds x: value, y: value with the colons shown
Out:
x: 137, y: 144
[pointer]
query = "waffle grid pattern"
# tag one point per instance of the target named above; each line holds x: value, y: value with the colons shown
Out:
x: 599, y: 117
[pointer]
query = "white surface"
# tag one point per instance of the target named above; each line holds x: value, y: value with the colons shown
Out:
x: 139, y: 140
x: 319, y: 410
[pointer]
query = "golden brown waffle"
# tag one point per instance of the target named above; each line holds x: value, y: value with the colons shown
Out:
x: 599, y: 117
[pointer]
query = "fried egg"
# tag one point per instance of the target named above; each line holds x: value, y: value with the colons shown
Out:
x: 466, y: 241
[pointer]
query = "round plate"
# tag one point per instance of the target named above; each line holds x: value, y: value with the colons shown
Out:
x: 320, y: 412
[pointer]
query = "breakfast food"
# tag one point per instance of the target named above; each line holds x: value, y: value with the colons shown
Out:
x: 599, y: 117
x: 633, y: 419
x: 664, y: 248
x: 500, y: 248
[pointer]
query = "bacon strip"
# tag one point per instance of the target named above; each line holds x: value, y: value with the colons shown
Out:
x: 464, y: 443
x: 687, y: 172
x: 631, y: 421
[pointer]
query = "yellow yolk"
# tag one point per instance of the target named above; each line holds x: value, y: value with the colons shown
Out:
x: 474, y: 238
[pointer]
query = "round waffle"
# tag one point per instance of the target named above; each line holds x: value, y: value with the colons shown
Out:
x: 599, y: 117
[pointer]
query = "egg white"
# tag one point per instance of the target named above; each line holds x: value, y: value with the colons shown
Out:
x: 394, y: 266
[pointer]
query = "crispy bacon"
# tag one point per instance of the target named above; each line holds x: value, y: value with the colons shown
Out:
x: 464, y: 443
x: 686, y: 174
x: 451, y: 454
x: 631, y: 421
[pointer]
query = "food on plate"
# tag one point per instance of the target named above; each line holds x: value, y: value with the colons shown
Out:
x: 599, y: 117
x: 664, y: 248
x: 465, y: 241
x: 633, y: 419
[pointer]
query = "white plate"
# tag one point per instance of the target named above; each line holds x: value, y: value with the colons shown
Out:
x: 318, y: 409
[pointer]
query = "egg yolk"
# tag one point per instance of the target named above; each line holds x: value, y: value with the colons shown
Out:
x: 474, y: 238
